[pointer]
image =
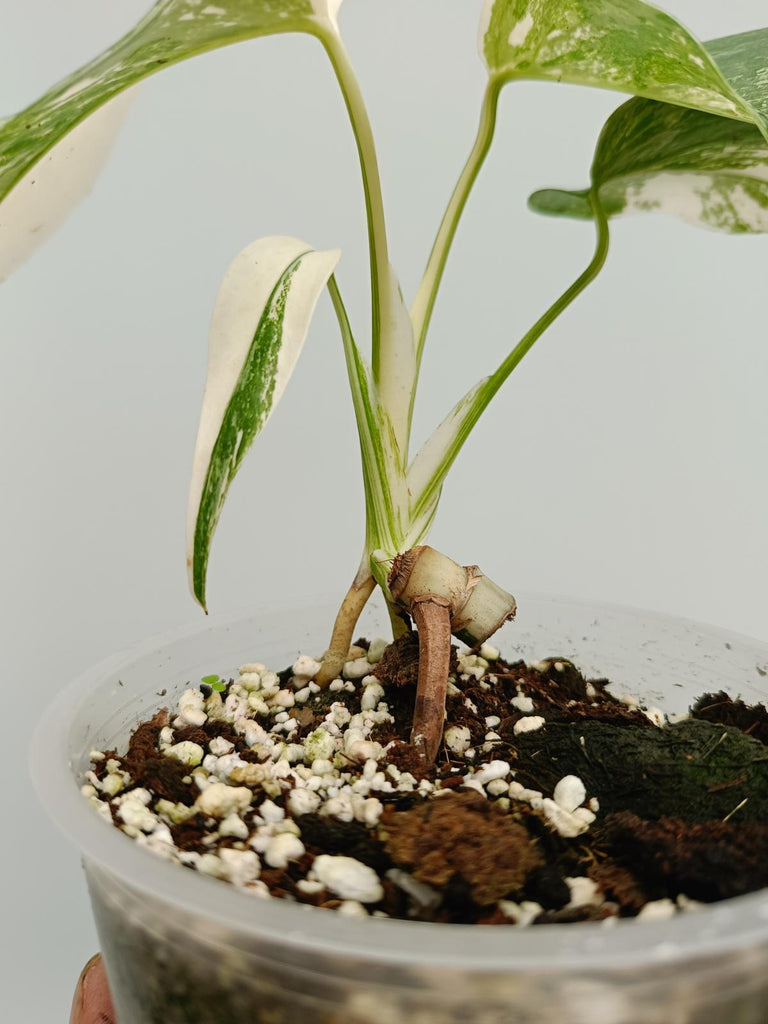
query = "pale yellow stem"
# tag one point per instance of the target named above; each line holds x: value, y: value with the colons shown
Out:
x: 341, y: 639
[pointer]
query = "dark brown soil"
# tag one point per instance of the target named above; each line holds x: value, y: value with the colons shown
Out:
x: 683, y: 809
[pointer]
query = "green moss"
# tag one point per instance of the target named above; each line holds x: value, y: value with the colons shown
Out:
x: 694, y: 770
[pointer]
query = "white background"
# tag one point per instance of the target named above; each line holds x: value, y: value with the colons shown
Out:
x: 624, y: 461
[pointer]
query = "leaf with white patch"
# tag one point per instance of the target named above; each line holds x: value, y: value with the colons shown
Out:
x: 384, y: 477
x: 710, y: 171
x: 40, y: 203
x: 398, y: 363
x: 259, y: 324
x: 626, y: 45
x: 172, y: 31
x: 434, y: 459
x: 743, y: 61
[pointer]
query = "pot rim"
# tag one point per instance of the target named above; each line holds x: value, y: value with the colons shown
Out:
x: 711, y: 931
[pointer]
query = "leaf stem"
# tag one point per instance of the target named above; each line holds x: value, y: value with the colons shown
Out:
x: 379, y: 508
x: 346, y: 620
x: 374, y: 203
x: 485, y: 393
x: 421, y: 311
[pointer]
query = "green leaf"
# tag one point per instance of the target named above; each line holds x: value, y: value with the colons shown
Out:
x: 626, y: 45
x: 210, y: 680
x: 258, y: 328
x: 386, y: 494
x: 709, y: 171
x: 172, y: 31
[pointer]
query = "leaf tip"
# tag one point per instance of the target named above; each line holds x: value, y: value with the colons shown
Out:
x: 555, y: 202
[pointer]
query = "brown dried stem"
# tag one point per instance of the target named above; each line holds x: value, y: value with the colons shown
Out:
x: 432, y: 615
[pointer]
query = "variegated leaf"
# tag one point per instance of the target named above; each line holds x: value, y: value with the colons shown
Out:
x: 709, y: 171
x: 258, y: 328
x: 626, y: 45
x: 46, y: 195
x: 383, y: 477
x: 398, y: 363
x: 172, y: 31
x: 434, y: 459
x: 743, y: 61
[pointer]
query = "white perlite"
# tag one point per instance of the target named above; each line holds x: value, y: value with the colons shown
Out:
x: 241, y: 866
x: 522, y: 703
x: 583, y: 892
x: 528, y: 724
x: 305, y: 668
x: 233, y: 827
x: 347, y: 878
x: 570, y: 793
x: 282, y: 849
x: 657, y: 910
x: 457, y: 738
x: 487, y: 772
x: 522, y: 914
x: 187, y: 752
x: 220, y: 800
x: 356, y: 669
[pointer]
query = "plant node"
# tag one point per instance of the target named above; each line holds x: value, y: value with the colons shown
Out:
x: 443, y: 597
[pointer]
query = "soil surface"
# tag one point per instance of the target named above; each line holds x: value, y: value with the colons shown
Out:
x: 551, y: 800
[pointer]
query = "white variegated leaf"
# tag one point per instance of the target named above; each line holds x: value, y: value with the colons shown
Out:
x: 43, y: 199
x: 654, y: 157
x: 172, y: 31
x: 398, y: 363
x: 626, y: 45
x: 434, y: 459
x: 259, y: 324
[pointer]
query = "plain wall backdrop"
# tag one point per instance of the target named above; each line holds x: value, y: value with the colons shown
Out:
x: 624, y: 461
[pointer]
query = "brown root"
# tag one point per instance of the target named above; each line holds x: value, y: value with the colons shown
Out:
x: 433, y: 621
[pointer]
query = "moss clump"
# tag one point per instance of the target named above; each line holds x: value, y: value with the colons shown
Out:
x: 695, y: 770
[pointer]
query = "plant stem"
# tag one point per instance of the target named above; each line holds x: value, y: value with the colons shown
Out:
x: 374, y: 203
x: 558, y: 307
x: 486, y: 393
x: 421, y: 311
x: 432, y: 616
x: 346, y: 620
x: 397, y: 621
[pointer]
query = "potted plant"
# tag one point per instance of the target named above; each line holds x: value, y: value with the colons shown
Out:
x: 692, y: 140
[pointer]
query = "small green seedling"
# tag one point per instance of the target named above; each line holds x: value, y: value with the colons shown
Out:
x: 692, y: 141
x: 215, y: 683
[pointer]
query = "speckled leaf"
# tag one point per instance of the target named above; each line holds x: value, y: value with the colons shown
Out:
x: 743, y: 60
x: 626, y: 45
x: 258, y: 328
x: 172, y: 31
x: 710, y: 171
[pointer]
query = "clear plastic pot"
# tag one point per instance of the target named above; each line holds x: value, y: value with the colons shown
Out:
x: 181, y: 947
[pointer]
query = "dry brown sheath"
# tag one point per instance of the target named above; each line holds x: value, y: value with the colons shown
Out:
x: 433, y: 621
